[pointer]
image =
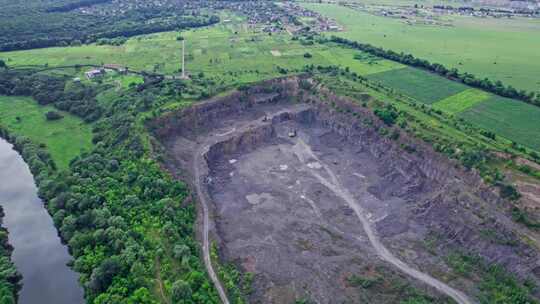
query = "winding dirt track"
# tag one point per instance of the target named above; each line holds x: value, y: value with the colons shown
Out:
x: 206, y: 224
x: 303, y: 152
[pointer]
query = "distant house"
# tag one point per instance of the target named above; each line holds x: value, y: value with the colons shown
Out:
x: 94, y: 73
x: 334, y: 27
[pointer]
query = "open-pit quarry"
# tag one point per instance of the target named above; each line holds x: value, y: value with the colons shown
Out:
x: 299, y: 187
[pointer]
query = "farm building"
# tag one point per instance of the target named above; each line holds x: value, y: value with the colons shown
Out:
x: 94, y: 73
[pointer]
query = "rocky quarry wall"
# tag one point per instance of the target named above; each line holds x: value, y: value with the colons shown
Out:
x: 441, y: 199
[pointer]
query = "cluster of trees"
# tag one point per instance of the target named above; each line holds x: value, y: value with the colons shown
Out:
x: 114, y: 41
x: 238, y: 284
x: 76, y: 98
x: 496, y: 284
x: 66, y: 7
x: 496, y: 87
x: 10, y: 279
x: 39, y: 161
x: 388, y: 114
x: 53, y: 115
x: 26, y: 27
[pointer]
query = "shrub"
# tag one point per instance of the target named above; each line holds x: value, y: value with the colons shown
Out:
x: 388, y: 114
x: 53, y: 115
x: 508, y: 192
x: 488, y: 134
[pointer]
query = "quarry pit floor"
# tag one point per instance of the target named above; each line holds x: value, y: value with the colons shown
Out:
x: 295, y: 204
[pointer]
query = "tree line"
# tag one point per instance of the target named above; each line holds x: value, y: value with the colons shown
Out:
x: 10, y: 278
x: 75, y: 5
x: 36, y: 29
x: 496, y: 87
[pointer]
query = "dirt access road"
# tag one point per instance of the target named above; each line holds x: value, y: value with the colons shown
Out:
x: 304, y: 152
x: 199, y: 184
x: 326, y: 177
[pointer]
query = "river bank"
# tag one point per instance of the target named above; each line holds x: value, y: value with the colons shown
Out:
x: 38, y: 254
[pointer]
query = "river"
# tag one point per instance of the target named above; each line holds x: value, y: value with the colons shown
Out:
x: 38, y: 252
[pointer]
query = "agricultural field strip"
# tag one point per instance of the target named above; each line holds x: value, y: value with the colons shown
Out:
x: 420, y: 85
x: 461, y: 101
x: 514, y: 120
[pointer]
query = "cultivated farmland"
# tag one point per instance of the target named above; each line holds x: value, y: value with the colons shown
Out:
x: 420, y: 85
x: 461, y: 101
x: 500, y: 49
x: 512, y: 119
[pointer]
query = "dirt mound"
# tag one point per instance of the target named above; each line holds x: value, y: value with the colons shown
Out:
x: 307, y: 194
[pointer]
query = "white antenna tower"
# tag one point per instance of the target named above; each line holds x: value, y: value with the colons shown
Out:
x: 183, y: 58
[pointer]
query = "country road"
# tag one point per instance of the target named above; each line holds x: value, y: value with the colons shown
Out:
x: 304, y: 152
x: 206, y: 223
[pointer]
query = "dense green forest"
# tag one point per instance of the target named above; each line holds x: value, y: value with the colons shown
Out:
x: 10, y: 279
x: 127, y: 223
x: 59, y: 23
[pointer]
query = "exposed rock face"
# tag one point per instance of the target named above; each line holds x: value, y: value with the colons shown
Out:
x: 275, y: 218
x: 205, y: 116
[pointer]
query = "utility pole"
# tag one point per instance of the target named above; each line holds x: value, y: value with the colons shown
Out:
x: 183, y: 58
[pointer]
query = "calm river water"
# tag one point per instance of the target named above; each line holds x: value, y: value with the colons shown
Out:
x: 39, y: 254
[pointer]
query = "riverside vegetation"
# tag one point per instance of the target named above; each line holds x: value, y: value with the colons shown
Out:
x: 10, y: 279
x: 127, y: 223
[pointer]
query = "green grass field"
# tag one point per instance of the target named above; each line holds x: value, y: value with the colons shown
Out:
x: 500, y: 49
x: 461, y: 101
x: 366, y: 66
x: 65, y: 138
x: 420, y: 85
x: 232, y: 52
x: 517, y: 121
